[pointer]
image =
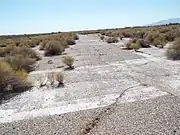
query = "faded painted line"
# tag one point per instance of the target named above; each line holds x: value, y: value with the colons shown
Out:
x: 65, y: 107
x: 133, y: 95
x: 78, y: 69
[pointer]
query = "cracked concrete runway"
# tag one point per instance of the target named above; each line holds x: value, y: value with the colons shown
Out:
x: 110, y: 92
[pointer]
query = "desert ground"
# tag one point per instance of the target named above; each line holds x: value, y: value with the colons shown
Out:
x: 111, y: 91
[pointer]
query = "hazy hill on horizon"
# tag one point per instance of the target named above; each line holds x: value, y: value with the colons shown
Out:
x: 167, y: 21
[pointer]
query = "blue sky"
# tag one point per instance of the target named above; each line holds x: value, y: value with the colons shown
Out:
x: 34, y: 16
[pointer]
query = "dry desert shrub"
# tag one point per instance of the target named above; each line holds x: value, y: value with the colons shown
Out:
x: 51, y: 77
x: 112, y: 40
x: 69, y: 61
x: 19, y: 62
x: 70, y: 41
x: 60, y: 78
x: 53, y: 47
x: 12, y: 81
x: 102, y: 37
x: 173, y: 52
x: 42, y: 44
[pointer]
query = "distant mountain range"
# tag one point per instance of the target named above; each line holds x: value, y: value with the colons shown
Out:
x: 168, y: 21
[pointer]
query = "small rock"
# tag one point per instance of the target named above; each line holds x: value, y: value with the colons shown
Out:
x: 50, y: 62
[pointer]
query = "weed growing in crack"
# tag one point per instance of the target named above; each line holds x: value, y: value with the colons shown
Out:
x: 69, y: 61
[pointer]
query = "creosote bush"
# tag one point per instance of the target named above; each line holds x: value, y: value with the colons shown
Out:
x: 173, y: 52
x: 135, y: 46
x: 53, y: 47
x: 69, y: 61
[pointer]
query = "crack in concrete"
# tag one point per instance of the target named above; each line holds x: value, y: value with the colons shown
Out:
x: 154, y: 82
x: 108, y: 110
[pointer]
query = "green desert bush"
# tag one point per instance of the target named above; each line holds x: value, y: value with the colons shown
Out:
x: 160, y: 40
x: 112, y: 40
x: 128, y: 46
x: 69, y: 61
x: 22, y: 74
x: 135, y: 46
x: 75, y: 36
x: 53, y: 47
x: 173, y: 52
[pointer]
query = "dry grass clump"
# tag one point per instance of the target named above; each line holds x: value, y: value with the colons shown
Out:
x: 53, y: 47
x: 51, y: 77
x: 69, y: 61
x: 173, y: 52
x: 60, y: 79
